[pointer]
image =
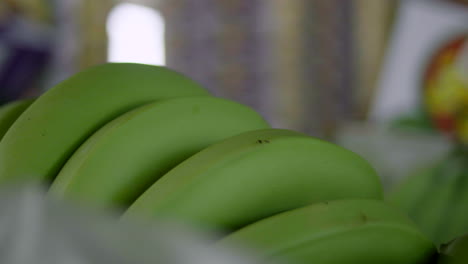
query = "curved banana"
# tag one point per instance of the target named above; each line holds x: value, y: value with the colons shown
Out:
x: 336, y: 232
x: 124, y: 157
x: 436, y: 198
x: 430, y: 212
x: 253, y: 175
x: 410, y: 190
x: 48, y: 132
x: 9, y: 112
x: 432, y: 208
x: 456, y: 219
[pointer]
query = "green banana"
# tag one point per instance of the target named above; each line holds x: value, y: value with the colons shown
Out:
x: 431, y: 210
x: 410, y: 190
x: 336, y: 232
x: 253, y: 175
x: 51, y: 129
x: 9, y: 112
x: 427, y: 197
x: 124, y: 157
x: 455, y: 251
x: 456, y: 218
x: 436, y: 198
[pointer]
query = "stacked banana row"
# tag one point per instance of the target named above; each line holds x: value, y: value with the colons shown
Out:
x: 152, y: 143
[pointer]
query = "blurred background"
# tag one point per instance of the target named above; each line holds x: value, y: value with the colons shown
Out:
x: 386, y: 79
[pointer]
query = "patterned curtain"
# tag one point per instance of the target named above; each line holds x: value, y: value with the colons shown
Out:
x: 220, y: 44
x: 328, y: 64
x: 294, y: 61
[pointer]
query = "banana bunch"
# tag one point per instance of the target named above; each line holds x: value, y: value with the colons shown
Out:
x: 153, y: 144
x: 253, y: 175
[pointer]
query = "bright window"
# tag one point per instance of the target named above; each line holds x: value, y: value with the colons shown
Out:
x: 136, y: 34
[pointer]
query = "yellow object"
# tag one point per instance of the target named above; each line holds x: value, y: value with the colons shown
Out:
x: 462, y: 127
x: 447, y: 93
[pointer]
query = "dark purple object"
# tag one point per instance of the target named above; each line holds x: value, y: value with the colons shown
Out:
x: 25, y: 49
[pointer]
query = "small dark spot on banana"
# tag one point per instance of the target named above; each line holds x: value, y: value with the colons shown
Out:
x: 363, y: 217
